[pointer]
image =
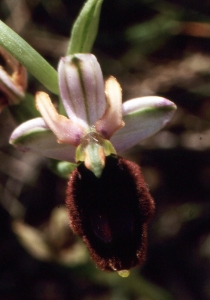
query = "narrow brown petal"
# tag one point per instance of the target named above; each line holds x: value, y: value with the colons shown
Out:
x: 66, y: 131
x: 112, y: 118
x: 111, y: 213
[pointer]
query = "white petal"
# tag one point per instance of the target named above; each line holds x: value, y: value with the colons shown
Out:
x: 28, y: 127
x: 40, y: 140
x: 82, y: 88
x: 10, y: 84
x: 148, y: 102
x: 112, y: 119
x: 143, y: 117
x: 67, y: 132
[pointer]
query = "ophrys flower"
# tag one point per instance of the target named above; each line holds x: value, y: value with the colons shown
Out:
x: 108, y: 201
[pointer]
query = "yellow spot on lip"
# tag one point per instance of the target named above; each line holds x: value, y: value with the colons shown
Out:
x: 124, y: 273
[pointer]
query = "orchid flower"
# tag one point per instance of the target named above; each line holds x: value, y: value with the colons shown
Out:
x: 108, y: 201
x: 13, y: 80
x: 97, y: 121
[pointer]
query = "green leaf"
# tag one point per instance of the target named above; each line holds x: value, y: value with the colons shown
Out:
x: 151, y: 35
x: 85, y: 28
x: 29, y: 58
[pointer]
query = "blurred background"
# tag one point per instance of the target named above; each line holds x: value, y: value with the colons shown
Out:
x: 153, y: 48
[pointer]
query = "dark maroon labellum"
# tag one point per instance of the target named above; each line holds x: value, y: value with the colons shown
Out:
x: 111, y: 213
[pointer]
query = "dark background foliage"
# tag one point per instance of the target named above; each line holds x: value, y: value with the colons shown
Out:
x: 152, y: 47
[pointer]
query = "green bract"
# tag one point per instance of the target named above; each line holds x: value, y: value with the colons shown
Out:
x: 85, y: 28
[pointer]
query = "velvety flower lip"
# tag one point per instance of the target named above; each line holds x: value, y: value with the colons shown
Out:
x: 112, y: 213
x: 91, y: 106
